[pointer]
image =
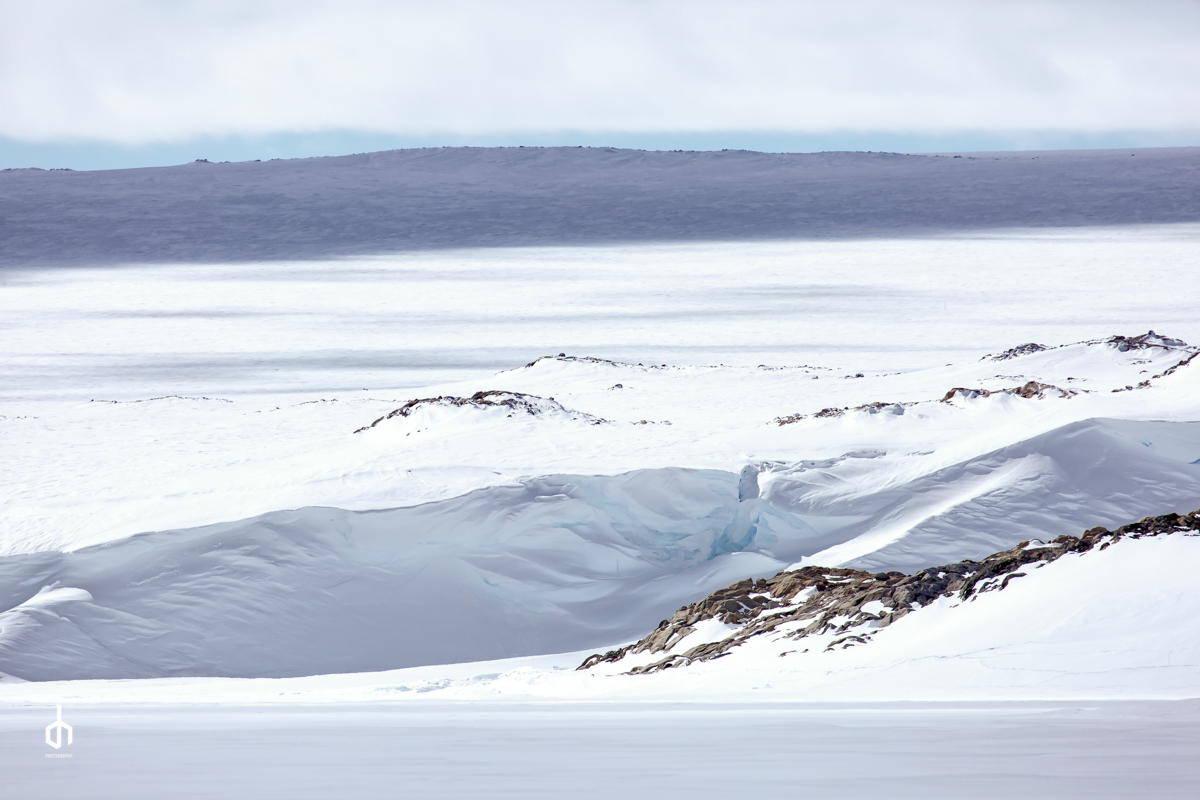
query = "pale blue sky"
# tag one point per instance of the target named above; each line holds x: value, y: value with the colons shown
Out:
x: 113, y: 83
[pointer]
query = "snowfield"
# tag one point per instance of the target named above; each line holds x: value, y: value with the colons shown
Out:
x: 564, y: 504
x: 458, y: 750
x: 1079, y: 628
x: 322, y: 481
x: 556, y: 563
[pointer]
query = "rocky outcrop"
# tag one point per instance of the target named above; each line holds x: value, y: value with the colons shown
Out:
x: 164, y: 397
x: 883, y: 408
x: 1030, y: 391
x: 852, y: 605
x: 515, y: 402
x: 1123, y: 343
x: 827, y: 413
x: 824, y: 413
x: 1169, y: 371
x: 593, y: 360
x: 1016, y: 352
x: 1144, y: 342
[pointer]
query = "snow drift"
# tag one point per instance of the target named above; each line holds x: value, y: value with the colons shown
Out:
x: 836, y: 609
x: 552, y: 564
x: 1104, y: 614
x: 1093, y: 472
x: 555, y: 563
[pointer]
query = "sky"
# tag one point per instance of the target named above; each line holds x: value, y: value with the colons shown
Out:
x: 133, y: 82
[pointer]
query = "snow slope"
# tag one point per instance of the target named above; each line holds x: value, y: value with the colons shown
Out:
x: 553, y: 564
x: 184, y: 460
x: 565, y: 504
x: 816, y: 613
x: 1107, y: 623
x: 557, y: 563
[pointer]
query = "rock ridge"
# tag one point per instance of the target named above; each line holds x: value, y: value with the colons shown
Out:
x: 1032, y: 390
x: 531, y: 404
x: 849, y: 606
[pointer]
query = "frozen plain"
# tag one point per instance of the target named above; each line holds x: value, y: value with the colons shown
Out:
x: 1095, y: 749
x: 372, y: 333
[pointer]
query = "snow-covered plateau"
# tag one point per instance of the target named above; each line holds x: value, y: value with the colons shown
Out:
x: 462, y: 470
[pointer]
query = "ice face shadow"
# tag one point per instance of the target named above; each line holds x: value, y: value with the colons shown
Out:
x: 549, y: 564
x: 438, y: 198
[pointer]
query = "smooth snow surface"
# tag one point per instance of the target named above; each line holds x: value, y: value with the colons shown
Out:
x: 1112, y: 623
x: 553, y: 564
x: 445, y: 751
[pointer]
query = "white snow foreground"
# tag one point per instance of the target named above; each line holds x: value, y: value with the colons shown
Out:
x: 563, y: 562
x: 821, y: 609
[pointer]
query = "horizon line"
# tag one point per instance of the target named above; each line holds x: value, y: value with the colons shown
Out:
x: 89, y: 155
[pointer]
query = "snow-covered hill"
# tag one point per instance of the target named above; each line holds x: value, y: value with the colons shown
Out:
x: 1105, y: 615
x: 554, y: 562
x: 187, y: 461
x: 822, y: 610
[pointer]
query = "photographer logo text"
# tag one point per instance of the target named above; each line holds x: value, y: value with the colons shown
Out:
x: 54, y: 731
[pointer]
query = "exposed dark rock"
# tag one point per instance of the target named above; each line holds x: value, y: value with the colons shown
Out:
x: 827, y: 413
x: 1020, y: 350
x: 838, y: 596
x: 1031, y: 390
x: 164, y: 397
x: 883, y: 408
x: 1144, y: 342
x: 514, y: 401
x: 580, y: 359
x: 594, y: 360
x: 1172, y: 369
x: 1169, y: 371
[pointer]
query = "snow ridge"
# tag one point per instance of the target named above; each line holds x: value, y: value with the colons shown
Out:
x: 515, y: 402
x: 1032, y: 390
x: 845, y: 607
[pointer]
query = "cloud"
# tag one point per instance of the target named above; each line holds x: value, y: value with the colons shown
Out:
x: 143, y: 71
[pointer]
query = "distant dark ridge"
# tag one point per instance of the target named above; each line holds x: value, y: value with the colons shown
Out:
x: 434, y: 198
